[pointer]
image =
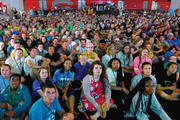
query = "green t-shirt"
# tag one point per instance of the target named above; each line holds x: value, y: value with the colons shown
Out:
x: 69, y: 27
x: 2, y: 32
x: 41, y: 31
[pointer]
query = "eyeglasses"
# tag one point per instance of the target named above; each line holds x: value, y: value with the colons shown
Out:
x: 173, y: 59
x: 116, y: 40
x: 149, y: 86
x: 90, y: 47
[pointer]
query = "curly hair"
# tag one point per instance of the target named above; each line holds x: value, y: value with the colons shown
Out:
x: 103, y: 75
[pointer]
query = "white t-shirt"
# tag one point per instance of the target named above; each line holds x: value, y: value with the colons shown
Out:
x: 33, y: 60
x: 16, y: 65
x: 112, y: 76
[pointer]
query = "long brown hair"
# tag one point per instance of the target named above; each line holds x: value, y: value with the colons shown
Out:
x: 39, y: 78
x: 103, y: 75
x: 129, y: 53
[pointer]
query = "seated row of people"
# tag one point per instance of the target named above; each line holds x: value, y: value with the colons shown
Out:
x: 100, y: 91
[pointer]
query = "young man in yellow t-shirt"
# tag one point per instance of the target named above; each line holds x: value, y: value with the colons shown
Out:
x: 91, y: 55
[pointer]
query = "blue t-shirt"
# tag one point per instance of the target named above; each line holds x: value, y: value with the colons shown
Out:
x: 170, y: 42
x: 63, y: 78
x: 31, y: 12
x: 9, y: 49
x: 43, y: 53
x: 39, y: 111
x: 166, y: 56
x: 136, y: 79
x: 36, y: 86
x: 178, y: 42
x: 14, y: 33
x: 81, y: 71
x: 3, y: 83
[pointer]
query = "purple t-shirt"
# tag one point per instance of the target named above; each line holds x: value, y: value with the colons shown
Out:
x: 36, y: 86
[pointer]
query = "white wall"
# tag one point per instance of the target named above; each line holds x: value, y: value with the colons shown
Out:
x: 175, y: 4
x: 18, y: 4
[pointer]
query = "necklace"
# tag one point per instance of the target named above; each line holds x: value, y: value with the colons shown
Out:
x: 144, y: 103
x: 19, y: 66
x: 95, y: 86
x: 95, y: 80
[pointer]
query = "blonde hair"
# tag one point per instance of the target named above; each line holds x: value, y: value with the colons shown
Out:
x: 137, y: 39
x: 108, y: 49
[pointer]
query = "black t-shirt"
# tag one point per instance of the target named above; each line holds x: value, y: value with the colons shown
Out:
x: 65, y: 52
x: 55, y: 57
x: 165, y: 80
x: 57, y: 47
x: 33, y: 44
x: 128, y: 34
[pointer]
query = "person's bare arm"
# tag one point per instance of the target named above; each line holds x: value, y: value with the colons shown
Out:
x: 115, y: 87
x: 53, y: 63
x: 40, y: 92
x: 159, y: 87
x: 32, y: 65
x: 46, y: 62
x: 10, y: 113
x: 66, y: 115
x: 58, y: 87
x: 66, y: 89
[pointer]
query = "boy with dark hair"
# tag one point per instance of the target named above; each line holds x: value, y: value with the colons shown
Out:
x: 166, y: 87
x: 45, y: 108
x: 15, y: 99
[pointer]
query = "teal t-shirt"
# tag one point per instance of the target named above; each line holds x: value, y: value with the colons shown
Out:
x: 39, y: 111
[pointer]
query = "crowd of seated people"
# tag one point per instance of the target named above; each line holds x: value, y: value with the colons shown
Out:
x: 75, y: 65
